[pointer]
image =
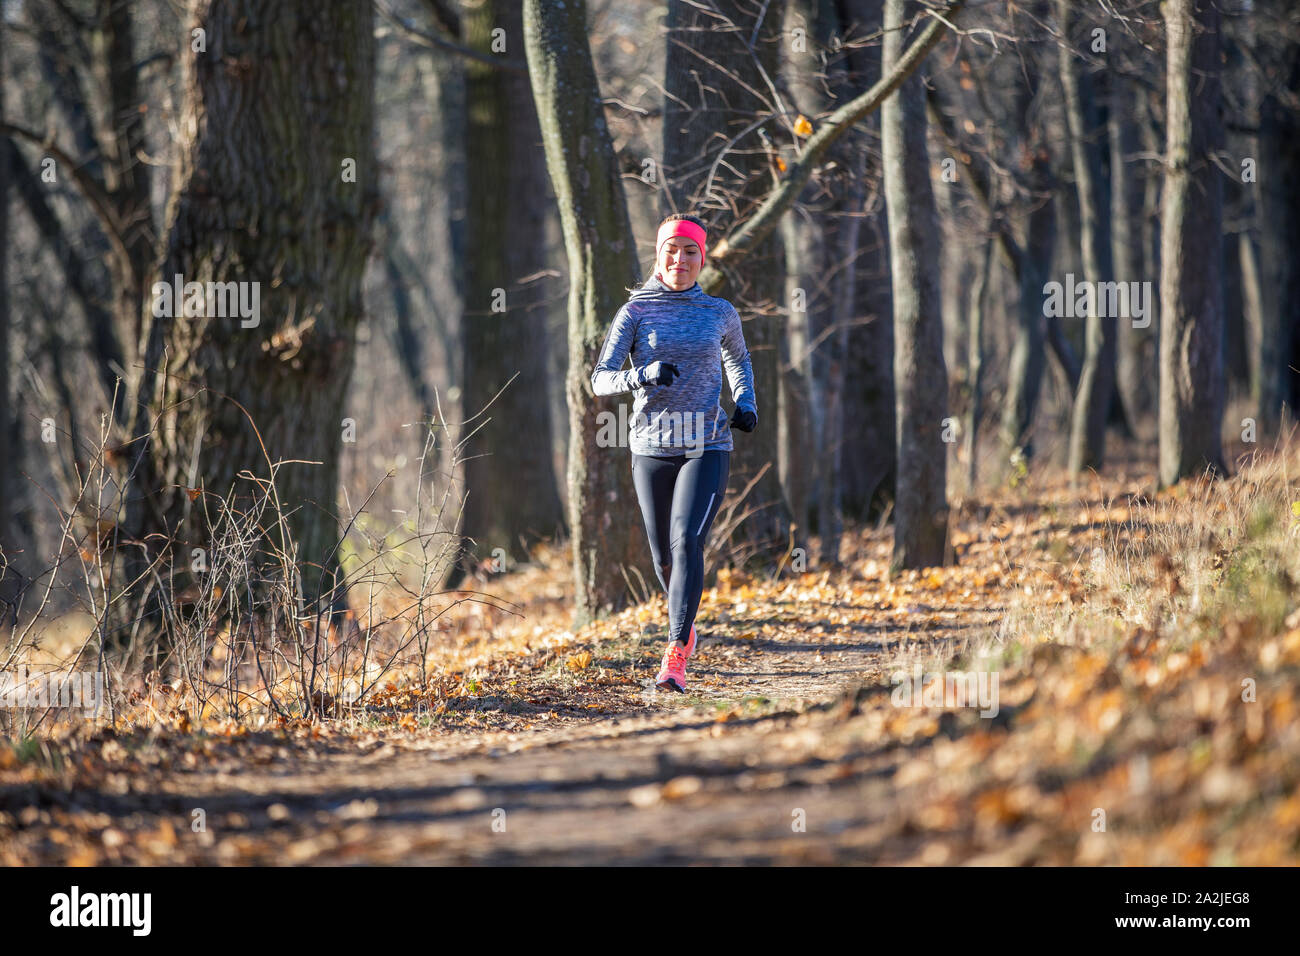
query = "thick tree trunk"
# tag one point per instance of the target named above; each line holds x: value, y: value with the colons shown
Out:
x: 276, y: 111
x: 806, y: 236
x: 1191, y: 290
x: 712, y: 78
x: 867, y: 455
x: 920, y: 376
x: 512, y: 496
x: 602, y: 265
x: 1087, y: 145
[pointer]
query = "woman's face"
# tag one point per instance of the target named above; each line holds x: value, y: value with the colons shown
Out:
x: 679, y: 263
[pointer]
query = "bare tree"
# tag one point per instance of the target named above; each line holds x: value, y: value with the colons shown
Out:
x: 1191, y: 277
x: 274, y: 193
x: 920, y: 375
x: 1087, y: 147
x: 867, y: 443
x: 602, y: 265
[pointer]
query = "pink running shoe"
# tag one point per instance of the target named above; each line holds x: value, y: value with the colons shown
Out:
x: 690, y: 644
x: 672, y: 673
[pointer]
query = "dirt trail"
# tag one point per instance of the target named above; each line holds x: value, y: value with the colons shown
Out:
x: 665, y: 781
x: 1120, y: 732
x: 754, y: 764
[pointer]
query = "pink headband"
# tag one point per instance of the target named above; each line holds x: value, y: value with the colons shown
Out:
x: 684, y: 228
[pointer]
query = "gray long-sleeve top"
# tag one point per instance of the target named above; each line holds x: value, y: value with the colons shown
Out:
x: 699, y: 334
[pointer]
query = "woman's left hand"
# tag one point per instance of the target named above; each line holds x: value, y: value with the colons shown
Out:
x: 744, y: 419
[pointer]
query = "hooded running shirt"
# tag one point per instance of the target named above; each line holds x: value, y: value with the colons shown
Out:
x: 699, y: 334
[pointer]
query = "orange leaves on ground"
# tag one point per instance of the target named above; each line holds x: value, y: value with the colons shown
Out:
x: 1103, y: 712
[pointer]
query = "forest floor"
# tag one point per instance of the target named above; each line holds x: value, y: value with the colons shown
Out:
x: 1121, y: 627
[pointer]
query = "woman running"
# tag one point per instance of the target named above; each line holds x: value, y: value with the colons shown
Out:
x: 678, y: 338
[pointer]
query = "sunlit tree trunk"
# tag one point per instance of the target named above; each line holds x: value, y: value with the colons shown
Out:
x: 608, y: 540
x: 920, y: 375
x: 1191, y: 278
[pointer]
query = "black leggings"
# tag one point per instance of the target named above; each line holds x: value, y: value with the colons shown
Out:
x: 679, y: 498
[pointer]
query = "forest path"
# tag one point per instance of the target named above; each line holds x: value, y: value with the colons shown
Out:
x: 1104, y: 741
x: 561, y: 753
x: 723, y: 773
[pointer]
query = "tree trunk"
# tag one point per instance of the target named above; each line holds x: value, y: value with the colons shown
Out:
x: 1151, y: 134
x: 837, y: 377
x: 712, y: 79
x: 120, y: 135
x: 1191, y: 291
x: 1028, y: 358
x: 8, y: 467
x: 1278, y: 217
x: 867, y: 455
x: 975, y: 360
x: 821, y: 243
x: 1097, y: 377
x: 869, y: 452
x: 504, y: 324
x: 275, y: 110
x: 1252, y: 315
x: 806, y: 235
x: 602, y: 265
x: 1135, y: 358
x: 802, y: 421
x: 920, y: 376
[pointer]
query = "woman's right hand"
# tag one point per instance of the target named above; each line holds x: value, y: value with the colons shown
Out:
x: 659, y: 373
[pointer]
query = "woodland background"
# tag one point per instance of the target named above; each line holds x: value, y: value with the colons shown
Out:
x: 889, y: 188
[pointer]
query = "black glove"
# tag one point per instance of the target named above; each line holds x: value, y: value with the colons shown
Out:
x: 744, y: 419
x: 659, y: 373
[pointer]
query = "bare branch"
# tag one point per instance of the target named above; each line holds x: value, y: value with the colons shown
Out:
x: 761, y: 224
